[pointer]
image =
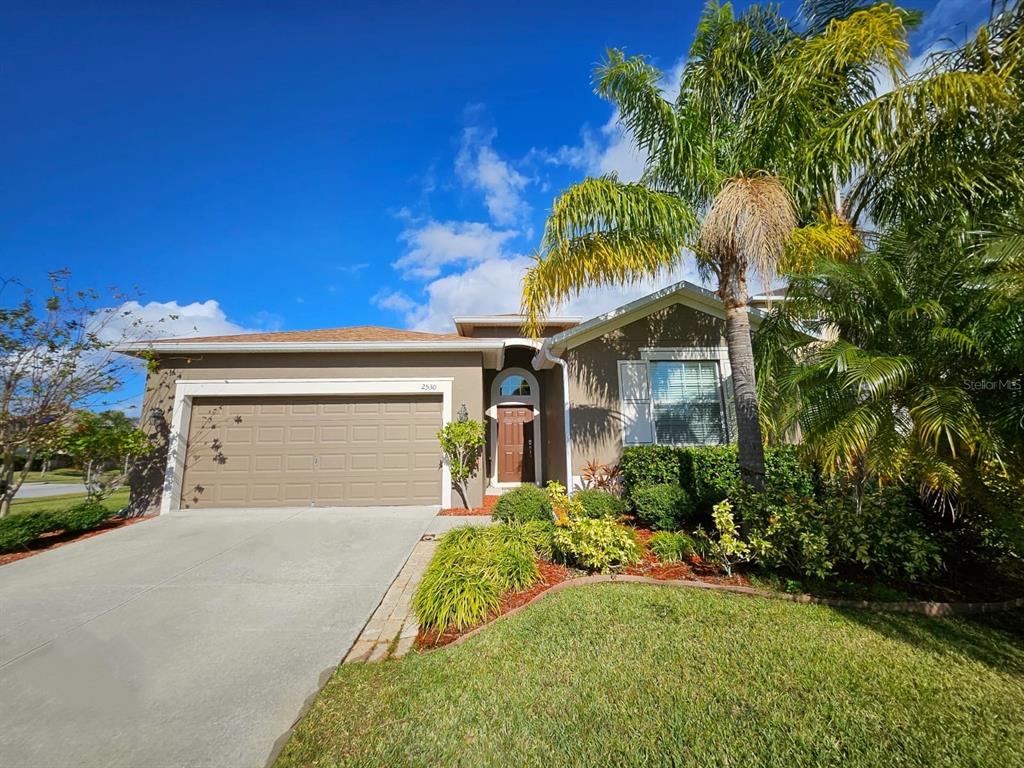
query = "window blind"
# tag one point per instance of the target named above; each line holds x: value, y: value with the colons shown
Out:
x: 686, y: 402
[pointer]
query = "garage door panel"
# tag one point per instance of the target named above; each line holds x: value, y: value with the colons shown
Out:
x: 270, y: 435
x: 327, y: 451
x: 302, y: 434
x: 236, y: 464
x: 395, y: 433
x: 333, y: 433
x: 333, y: 462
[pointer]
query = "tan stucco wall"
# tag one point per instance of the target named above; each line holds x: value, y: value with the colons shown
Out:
x: 595, y: 414
x: 465, y: 368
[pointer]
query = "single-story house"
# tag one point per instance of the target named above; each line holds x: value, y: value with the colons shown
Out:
x: 349, y: 416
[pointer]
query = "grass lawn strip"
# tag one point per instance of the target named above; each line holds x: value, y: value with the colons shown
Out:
x: 637, y: 675
x: 117, y: 500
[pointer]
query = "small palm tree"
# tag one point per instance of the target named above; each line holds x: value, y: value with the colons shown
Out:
x: 770, y: 121
x: 919, y: 379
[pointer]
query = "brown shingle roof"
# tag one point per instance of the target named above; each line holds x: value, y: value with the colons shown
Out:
x: 353, y: 333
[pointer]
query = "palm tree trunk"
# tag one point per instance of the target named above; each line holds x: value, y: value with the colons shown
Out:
x: 748, y: 425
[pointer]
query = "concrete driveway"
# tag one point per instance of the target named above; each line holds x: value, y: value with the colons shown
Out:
x: 192, y: 639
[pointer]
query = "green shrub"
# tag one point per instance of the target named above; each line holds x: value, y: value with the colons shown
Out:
x: 711, y: 473
x: 82, y: 517
x: 600, y: 503
x: 725, y: 546
x: 18, y: 531
x: 648, y: 465
x: 663, y: 507
x: 596, y: 544
x: 671, y: 547
x: 888, y: 536
x: 527, y: 502
x: 471, y: 570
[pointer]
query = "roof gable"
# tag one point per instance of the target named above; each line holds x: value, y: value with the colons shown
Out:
x: 683, y: 292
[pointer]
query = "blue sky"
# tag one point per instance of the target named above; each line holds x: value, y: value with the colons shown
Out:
x: 253, y: 166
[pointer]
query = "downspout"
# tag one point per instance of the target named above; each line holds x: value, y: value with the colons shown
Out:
x: 545, y: 354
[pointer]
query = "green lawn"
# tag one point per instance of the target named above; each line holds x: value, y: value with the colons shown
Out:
x: 68, y: 475
x: 648, y: 676
x: 116, y: 500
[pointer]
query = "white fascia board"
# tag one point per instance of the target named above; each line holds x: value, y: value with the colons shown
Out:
x: 311, y: 346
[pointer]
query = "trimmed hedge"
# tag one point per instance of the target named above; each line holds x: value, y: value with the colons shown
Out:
x: 598, y: 503
x: 709, y: 473
x: 19, y: 530
x: 522, y: 504
x: 664, y: 507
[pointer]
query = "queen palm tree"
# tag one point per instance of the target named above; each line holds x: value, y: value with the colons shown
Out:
x: 770, y: 120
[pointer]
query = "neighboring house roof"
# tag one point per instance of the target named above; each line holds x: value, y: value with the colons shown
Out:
x: 683, y: 292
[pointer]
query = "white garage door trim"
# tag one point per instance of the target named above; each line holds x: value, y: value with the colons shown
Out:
x: 186, y: 389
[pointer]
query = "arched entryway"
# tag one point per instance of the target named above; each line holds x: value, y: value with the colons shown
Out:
x: 514, y: 414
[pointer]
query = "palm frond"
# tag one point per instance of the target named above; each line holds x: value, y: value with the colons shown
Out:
x: 603, y: 232
x: 830, y: 238
x: 752, y: 217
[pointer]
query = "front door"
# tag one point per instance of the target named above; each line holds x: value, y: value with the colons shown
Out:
x: 515, y: 444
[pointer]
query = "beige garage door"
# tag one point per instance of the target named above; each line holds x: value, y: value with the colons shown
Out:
x: 334, y: 451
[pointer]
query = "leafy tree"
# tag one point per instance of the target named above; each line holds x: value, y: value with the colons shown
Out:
x: 104, y: 446
x: 55, y: 357
x: 921, y: 374
x: 770, y: 120
x: 462, y: 443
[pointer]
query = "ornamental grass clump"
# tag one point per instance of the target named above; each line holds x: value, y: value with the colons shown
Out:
x: 472, y: 569
x: 671, y: 547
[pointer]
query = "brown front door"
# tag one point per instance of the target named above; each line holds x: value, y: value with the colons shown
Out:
x: 515, y: 444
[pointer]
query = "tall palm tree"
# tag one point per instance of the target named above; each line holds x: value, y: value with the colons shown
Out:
x: 770, y: 120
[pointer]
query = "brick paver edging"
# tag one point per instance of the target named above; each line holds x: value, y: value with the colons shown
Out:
x: 922, y: 608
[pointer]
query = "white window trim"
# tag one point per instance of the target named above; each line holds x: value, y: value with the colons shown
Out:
x: 718, y: 355
x: 531, y: 401
x: 186, y: 389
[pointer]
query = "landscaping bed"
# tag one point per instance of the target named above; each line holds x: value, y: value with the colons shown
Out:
x: 38, y: 525
x: 59, y: 538
x: 635, y: 675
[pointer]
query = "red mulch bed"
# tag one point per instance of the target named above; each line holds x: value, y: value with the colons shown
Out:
x: 56, y: 539
x: 481, y: 511
x: 462, y: 512
x: 695, y: 568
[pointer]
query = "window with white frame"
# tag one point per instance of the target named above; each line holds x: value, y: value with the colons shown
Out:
x: 686, y: 402
x: 672, y: 401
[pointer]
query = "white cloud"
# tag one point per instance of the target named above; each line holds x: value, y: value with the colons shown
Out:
x: 951, y: 19
x: 613, y: 149
x: 479, y: 166
x: 166, y: 319
x: 436, y: 244
x: 394, y: 301
x: 493, y: 287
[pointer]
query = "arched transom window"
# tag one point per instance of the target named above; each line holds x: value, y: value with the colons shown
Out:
x: 515, y: 386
